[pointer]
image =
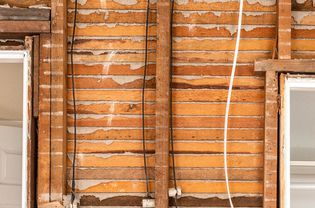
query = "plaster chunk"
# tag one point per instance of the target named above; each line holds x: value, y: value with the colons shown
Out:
x: 126, y: 2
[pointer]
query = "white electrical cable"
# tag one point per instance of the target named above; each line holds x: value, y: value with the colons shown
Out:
x: 227, y: 110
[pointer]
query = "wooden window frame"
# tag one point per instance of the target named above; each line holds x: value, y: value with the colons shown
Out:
x: 28, y: 161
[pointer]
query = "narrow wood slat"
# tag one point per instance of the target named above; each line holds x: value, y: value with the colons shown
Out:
x: 30, y: 27
x: 24, y: 14
x: 216, y: 187
x: 182, y: 160
x: 286, y: 65
x: 181, y: 173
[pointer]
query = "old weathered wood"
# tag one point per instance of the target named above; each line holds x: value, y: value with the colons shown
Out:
x: 162, y: 104
x: 284, y: 29
x: 35, y: 75
x: 298, y: 65
x: 24, y: 14
x: 31, y: 161
x: 29, y: 27
x: 58, y: 92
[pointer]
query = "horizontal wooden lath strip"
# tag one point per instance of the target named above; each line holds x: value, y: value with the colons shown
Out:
x: 29, y: 27
x: 293, y: 65
x: 24, y: 14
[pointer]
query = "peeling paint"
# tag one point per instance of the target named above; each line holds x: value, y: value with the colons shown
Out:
x: 126, y: 2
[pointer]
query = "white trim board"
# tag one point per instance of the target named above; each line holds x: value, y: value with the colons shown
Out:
x: 293, y: 84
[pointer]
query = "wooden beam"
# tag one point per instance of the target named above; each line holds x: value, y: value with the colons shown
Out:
x: 29, y: 27
x: 24, y: 14
x: 284, y: 29
x: 298, y: 65
x: 58, y: 72
x: 163, y: 104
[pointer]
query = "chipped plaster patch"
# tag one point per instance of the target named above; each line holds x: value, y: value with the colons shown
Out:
x: 81, y: 2
x: 263, y: 2
x: 39, y: 6
x: 135, y: 66
x: 5, y: 6
x: 301, y: 1
x: 181, y: 2
x: 87, y: 11
x: 126, y: 2
x: 121, y: 80
x: 298, y: 16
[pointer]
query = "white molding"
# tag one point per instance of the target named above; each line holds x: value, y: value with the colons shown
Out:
x: 295, y: 84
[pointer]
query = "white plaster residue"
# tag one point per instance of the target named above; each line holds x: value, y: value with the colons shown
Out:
x: 123, y: 11
x: 109, y: 142
x: 263, y: 2
x: 187, y: 14
x: 106, y: 68
x: 84, y: 184
x: 5, y: 6
x: 125, y: 79
x: 135, y: 66
x: 81, y: 2
x: 7, y: 40
x: 106, y: 15
x: 298, y: 16
x: 109, y: 120
x: 304, y: 27
x: 87, y: 11
x: 111, y: 25
x: 80, y: 25
x: 126, y: 2
x: 301, y: 1
x: 39, y: 6
x: 181, y: 2
x: 218, y: 14
x: 255, y: 14
x: 112, y: 108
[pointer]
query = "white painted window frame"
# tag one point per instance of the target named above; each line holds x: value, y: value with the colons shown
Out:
x: 291, y: 83
x: 21, y: 56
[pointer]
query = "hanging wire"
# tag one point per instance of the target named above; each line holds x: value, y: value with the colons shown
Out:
x: 143, y: 99
x: 171, y: 102
x: 74, y: 103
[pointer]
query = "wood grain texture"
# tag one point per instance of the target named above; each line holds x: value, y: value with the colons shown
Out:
x: 163, y: 106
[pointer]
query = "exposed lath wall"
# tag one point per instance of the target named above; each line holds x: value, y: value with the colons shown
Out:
x: 109, y: 65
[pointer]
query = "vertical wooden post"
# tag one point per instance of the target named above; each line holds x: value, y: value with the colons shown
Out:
x: 284, y: 29
x: 284, y: 52
x: 271, y: 110
x: 59, y: 96
x: 162, y: 104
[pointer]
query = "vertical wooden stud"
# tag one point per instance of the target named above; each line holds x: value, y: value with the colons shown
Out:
x: 162, y: 104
